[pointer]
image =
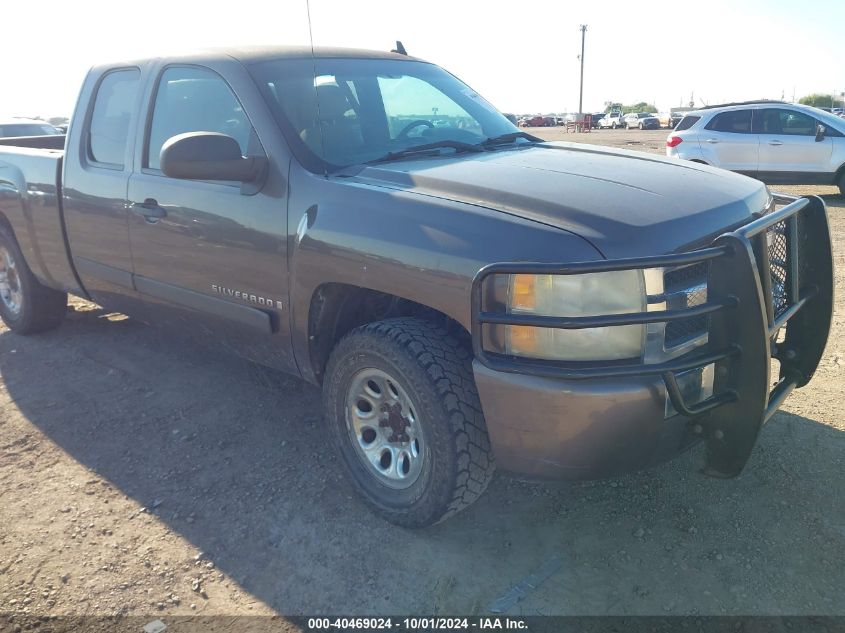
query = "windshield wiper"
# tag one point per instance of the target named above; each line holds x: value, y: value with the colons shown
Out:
x: 510, y: 137
x: 458, y: 146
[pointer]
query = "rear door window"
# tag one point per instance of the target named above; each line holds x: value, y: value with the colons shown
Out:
x: 113, y: 107
x: 193, y: 99
x: 734, y: 121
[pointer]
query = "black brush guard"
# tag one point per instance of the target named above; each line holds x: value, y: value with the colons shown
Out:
x: 756, y: 288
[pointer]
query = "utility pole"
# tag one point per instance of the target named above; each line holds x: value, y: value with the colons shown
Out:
x: 581, y: 93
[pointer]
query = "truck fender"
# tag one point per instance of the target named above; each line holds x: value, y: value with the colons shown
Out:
x: 405, y: 245
x: 30, y: 203
x: 13, y: 213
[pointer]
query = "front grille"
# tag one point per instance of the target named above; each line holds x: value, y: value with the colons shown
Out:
x: 685, y: 288
x: 678, y: 332
x: 776, y: 238
x: 691, y: 279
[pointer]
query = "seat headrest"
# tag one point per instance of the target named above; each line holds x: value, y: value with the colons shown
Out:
x: 332, y: 102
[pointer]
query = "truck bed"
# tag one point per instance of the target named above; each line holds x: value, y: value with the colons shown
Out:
x: 31, y: 203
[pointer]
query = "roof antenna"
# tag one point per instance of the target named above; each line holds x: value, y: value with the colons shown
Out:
x: 399, y: 49
x: 316, y: 94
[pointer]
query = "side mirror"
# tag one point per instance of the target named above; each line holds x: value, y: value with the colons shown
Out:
x: 208, y: 156
x: 820, y: 130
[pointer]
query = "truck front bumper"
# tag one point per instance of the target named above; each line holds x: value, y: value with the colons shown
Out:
x: 769, y: 296
x: 578, y: 429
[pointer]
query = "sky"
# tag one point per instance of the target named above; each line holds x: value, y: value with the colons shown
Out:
x: 523, y: 57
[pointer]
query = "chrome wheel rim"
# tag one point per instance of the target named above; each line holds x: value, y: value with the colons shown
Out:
x: 384, y: 428
x: 10, y: 283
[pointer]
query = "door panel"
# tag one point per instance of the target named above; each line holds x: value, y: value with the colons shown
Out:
x: 95, y: 179
x: 788, y: 144
x: 727, y: 142
x: 210, y: 259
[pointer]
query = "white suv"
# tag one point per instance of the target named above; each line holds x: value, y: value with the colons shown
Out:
x: 778, y: 143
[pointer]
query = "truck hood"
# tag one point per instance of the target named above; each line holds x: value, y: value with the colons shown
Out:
x: 626, y: 204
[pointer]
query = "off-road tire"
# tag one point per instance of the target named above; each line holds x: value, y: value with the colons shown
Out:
x: 435, y: 369
x: 41, y: 308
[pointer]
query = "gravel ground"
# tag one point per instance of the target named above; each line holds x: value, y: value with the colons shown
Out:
x: 142, y: 475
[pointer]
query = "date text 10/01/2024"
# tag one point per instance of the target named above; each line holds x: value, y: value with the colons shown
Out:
x: 417, y: 624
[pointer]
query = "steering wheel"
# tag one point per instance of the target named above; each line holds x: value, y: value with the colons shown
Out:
x: 412, y: 125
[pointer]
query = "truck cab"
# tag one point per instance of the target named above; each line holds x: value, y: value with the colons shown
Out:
x: 467, y: 295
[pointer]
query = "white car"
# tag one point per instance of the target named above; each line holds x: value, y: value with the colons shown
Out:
x: 778, y: 143
x: 642, y: 120
x: 611, y: 120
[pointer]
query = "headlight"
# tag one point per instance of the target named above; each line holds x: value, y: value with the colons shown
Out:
x: 589, y: 294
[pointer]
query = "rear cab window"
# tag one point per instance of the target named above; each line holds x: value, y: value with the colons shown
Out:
x: 108, y: 130
x: 733, y: 121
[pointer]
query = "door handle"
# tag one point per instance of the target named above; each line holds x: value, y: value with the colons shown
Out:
x: 711, y: 140
x: 775, y: 142
x: 149, y: 209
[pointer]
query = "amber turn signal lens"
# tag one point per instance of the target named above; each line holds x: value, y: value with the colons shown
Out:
x: 524, y: 292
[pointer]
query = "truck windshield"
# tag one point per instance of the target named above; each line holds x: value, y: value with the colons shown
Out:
x: 352, y: 111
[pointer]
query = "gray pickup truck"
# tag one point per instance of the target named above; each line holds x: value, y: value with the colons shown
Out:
x: 467, y: 295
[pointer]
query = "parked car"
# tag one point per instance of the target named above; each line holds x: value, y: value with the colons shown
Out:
x: 641, y: 120
x: 778, y: 143
x: 459, y: 293
x: 597, y: 116
x: 25, y: 127
x: 611, y: 120
x: 675, y: 118
x: 511, y: 118
x: 535, y: 121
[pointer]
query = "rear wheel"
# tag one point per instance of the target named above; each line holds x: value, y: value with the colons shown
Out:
x: 26, y: 306
x: 613, y: 126
x: 404, y: 414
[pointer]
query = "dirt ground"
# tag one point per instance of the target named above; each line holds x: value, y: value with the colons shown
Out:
x: 142, y: 475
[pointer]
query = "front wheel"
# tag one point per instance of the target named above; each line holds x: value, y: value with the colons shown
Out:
x: 641, y: 126
x: 841, y: 184
x: 404, y: 414
x: 26, y: 306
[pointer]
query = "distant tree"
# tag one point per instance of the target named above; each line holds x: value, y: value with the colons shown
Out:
x: 642, y: 106
x: 817, y: 100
